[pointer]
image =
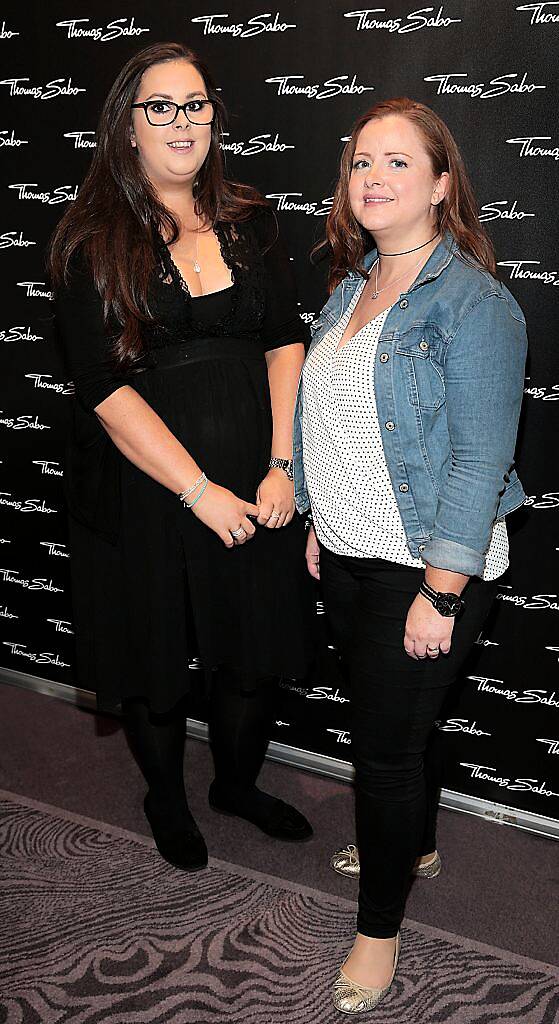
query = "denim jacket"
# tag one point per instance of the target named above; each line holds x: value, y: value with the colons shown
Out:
x: 449, y: 378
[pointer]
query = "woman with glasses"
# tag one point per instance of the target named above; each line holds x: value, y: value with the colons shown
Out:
x: 407, y: 417
x: 178, y: 317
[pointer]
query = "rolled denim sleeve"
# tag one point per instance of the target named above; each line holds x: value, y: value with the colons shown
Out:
x: 484, y: 381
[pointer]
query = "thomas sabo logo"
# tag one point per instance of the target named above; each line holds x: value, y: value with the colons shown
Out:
x: 219, y: 24
x: 338, y: 86
x: 447, y: 86
x: 79, y: 28
x: 413, y: 22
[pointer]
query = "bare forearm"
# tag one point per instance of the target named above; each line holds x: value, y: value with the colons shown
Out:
x: 142, y: 436
x: 444, y: 580
x: 284, y: 368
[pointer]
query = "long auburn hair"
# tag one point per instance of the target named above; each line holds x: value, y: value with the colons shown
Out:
x: 117, y: 215
x: 347, y: 241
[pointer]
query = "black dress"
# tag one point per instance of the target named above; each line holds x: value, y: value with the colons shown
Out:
x: 151, y: 583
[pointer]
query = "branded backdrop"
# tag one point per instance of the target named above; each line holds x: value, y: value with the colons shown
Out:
x: 294, y: 79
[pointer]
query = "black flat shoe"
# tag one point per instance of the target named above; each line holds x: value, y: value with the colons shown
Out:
x: 272, y: 816
x: 184, y: 848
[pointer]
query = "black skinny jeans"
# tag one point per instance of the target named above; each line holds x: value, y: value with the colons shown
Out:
x: 395, y: 702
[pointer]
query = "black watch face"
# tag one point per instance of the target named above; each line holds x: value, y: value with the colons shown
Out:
x: 448, y: 604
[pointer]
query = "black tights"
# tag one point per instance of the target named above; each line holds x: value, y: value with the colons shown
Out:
x: 241, y: 719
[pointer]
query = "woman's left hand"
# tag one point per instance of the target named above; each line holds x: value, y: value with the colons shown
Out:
x: 428, y: 634
x: 276, y: 498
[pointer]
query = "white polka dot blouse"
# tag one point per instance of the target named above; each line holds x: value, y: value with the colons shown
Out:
x: 352, y: 499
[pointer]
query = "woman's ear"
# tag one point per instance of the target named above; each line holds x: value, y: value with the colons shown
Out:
x: 440, y: 189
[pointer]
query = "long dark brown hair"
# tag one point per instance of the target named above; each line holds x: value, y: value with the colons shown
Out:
x: 457, y: 212
x: 117, y: 215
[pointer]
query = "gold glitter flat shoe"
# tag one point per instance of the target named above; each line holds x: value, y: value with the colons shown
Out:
x: 429, y: 870
x: 349, y: 997
x: 346, y: 862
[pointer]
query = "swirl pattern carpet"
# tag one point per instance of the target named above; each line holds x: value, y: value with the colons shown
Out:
x: 96, y: 929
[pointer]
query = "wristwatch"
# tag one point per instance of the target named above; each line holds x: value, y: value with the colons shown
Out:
x: 448, y: 605
x: 285, y: 464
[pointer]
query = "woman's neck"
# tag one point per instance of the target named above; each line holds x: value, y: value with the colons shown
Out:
x: 400, y: 253
x: 180, y: 202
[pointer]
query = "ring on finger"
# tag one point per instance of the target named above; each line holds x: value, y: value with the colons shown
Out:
x: 432, y: 650
x: 275, y: 515
x: 237, y: 534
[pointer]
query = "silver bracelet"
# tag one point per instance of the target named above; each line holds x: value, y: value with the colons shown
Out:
x: 186, y: 494
x: 198, y: 496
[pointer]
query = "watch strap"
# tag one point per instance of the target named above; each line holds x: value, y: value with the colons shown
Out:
x: 447, y: 604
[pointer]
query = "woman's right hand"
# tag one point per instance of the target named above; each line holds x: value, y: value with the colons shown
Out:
x: 312, y: 554
x: 223, y: 512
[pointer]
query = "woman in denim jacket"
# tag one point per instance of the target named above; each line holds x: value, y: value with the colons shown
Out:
x: 405, y: 430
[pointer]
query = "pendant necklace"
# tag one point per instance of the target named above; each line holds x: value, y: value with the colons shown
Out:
x: 378, y: 290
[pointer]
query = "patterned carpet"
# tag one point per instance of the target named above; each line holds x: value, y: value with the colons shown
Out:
x: 96, y: 929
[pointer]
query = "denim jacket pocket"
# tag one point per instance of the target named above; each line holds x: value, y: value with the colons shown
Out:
x: 423, y: 374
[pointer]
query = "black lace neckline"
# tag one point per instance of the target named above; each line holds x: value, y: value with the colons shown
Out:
x: 240, y: 253
x: 181, y: 280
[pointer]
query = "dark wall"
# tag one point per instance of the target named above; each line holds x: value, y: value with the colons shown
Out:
x: 294, y: 80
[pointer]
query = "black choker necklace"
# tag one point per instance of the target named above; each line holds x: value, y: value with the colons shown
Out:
x: 408, y: 250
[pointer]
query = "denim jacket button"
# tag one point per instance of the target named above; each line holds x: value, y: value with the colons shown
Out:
x: 421, y: 547
x: 404, y: 304
x: 404, y: 488
x: 384, y: 357
x: 424, y: 346
x: 390, y: 425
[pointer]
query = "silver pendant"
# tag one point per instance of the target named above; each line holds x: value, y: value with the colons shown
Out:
x: 197, y: 267
x: 374, y: 295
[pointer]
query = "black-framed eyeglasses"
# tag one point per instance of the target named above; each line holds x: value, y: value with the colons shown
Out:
x: 162, y: 112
